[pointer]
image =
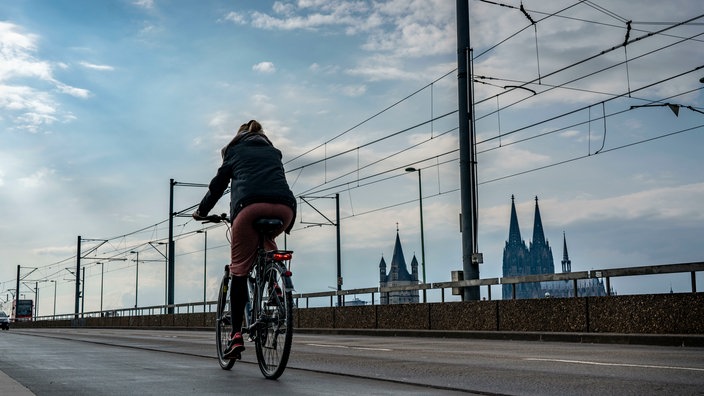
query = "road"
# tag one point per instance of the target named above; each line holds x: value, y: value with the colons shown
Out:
x: 121, y: 362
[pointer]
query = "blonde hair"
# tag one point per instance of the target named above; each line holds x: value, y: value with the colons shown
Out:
x: 251, y: 126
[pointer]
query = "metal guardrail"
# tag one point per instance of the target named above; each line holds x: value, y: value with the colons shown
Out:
x: 606, y: 274
x: 183, y: 308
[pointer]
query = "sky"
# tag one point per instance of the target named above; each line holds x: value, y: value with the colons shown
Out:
x: 102, y: 103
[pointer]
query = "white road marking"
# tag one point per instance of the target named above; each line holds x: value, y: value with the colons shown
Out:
x: 349, y: 347
x: 616, y: 364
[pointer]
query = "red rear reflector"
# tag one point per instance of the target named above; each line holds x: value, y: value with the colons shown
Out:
x: 282, y: 256
x: 288, y: 273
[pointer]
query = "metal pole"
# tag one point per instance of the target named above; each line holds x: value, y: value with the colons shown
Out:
x: 422, y: 237
x: 78, y: 277
x: 205, y: 266
x: 339, y: 260
x: 101, y: 288
x: 83, y: 292
x: 36, y: 299
x: 136, y: 279
x: 17, y: 288
x: 170, y: 270
x: 54, y: 299
x: 466, y: 131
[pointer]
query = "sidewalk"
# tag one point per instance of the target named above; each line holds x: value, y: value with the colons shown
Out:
x: 8, y: 386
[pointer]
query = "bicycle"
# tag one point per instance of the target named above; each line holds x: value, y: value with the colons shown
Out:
x: 268, y: 317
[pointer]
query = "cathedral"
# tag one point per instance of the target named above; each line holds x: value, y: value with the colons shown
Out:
x: 537, y: 259
x: 398, y: 276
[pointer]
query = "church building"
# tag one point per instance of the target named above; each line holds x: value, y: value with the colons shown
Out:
x: 537, y: 259
x: 398, y: 275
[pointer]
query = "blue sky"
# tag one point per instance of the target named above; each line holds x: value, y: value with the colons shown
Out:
x: 101, y: 103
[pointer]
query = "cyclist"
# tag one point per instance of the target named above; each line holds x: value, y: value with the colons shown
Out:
x: 259, y: 189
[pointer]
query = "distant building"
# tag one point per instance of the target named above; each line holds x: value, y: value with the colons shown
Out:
x: 355, y: 302
x: 585, y: 287
x: 398, y: 275
x: 537, y: 259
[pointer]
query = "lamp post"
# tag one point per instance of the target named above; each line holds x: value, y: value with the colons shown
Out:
x: 101, y: 288
x: 136, y: 278
x: 205, y: 264
x: 422, y: 239
x: 166, y: 271
x: 54, y: 282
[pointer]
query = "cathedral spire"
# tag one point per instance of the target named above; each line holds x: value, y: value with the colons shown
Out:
x: 514, y: 233
x: 399, y: 270
x: 538, y: 234
x: 566, y: 263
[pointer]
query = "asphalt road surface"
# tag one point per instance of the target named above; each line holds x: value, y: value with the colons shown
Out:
x: 144, y: 362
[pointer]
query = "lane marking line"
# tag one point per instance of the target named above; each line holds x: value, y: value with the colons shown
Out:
x: 615, y: 364
x: 348, y: 347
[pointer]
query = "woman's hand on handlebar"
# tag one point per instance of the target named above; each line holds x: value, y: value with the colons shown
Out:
x: 210, y: 218
x: 196, y: 215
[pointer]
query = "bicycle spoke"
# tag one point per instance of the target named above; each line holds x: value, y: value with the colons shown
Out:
x: 274, y: 323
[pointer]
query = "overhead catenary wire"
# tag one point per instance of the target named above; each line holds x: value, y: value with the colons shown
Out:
x: 369, y: 179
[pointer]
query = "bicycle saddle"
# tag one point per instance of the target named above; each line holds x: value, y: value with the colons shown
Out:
x: 268, y: 225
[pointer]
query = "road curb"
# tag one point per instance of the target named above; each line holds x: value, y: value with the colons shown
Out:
x: 685, y: 340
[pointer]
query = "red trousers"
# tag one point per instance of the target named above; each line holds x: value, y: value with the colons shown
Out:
x: 245, y: 239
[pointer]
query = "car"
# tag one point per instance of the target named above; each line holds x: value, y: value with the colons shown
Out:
x: 4, y: 321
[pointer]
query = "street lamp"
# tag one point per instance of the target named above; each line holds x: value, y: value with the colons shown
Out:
x: 101, y: 288
x: 166, y: 271
x: 205, y: 263
x: 422, y: 239
x: 136, y: 278
x: 54, y: 282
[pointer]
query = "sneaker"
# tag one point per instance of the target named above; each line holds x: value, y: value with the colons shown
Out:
x: 234, y: 347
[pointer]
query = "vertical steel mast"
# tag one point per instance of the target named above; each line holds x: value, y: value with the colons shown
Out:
x: 468, y: 184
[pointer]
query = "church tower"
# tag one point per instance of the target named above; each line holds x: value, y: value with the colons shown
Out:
x: 566, y: 262
x: 516, y: 256
x: 540, y: 250
x: 382, y: 271
x: 398, y: 276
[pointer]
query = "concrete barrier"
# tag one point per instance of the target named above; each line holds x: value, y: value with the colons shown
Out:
x: 637, y: 314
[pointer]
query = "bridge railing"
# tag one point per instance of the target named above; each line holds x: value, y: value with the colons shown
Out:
x: 574, y: 277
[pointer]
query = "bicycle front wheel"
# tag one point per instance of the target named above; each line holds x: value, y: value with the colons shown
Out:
x: 274, y: 321
x: 223, y: 323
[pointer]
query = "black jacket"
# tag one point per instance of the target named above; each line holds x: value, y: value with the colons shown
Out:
x: 254, y: 166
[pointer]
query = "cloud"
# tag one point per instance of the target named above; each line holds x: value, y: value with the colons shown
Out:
x: 235, y: 17
x: 36, y: 179
x: 97, y: 67
x: 351, y: 90
x: 394, y: 33
x: 24, y: 80
x: 147, y: 4
x: 73, y: 91
x: 264, y: 67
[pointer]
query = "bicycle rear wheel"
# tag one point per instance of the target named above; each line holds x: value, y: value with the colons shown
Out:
x: 223, y: 323
x: 274, y: 317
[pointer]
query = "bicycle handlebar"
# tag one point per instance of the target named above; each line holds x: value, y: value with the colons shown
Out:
x: 212, y: 218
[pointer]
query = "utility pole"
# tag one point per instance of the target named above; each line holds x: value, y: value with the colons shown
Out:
x: 78, y: 276
x: 17, y: 286
x: 468, y: 163
x: 171, y: 250
x: 83, y: 293
x: 339, y: 259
